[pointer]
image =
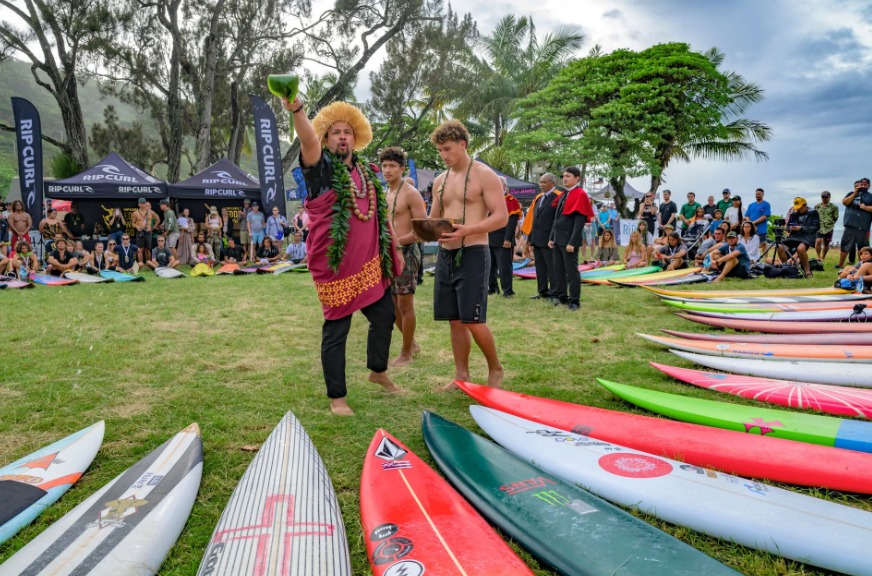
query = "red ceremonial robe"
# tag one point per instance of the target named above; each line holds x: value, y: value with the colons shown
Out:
x: 578, y: 201
x: 359, y: 281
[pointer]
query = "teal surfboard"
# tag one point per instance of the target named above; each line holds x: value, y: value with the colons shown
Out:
x: 120, y: 276
x: 564, y: 526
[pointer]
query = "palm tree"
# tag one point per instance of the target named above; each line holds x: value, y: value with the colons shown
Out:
x: 739, y: 137
x: 513, y: 63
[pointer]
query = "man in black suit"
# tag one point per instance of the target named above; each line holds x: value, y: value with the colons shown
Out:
x: 573, y: 211
x: 502, y: 247
x: 542, y: 213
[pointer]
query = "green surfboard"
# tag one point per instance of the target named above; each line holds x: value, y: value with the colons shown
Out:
x: 727, y: 308
x: 800, y: 426
x: 565, y: 527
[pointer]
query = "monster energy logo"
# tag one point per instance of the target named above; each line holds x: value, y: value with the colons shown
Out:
x: 554, y: 498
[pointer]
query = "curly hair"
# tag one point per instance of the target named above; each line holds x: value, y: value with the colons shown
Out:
x: 393, y: 154
x: 450, y: 131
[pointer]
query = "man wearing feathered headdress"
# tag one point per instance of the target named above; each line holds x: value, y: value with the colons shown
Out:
x: 352, y: 253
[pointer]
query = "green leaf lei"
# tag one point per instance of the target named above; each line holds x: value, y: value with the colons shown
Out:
x: 343, y: 208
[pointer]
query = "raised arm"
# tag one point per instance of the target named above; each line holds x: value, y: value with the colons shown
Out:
x: 310, y: 143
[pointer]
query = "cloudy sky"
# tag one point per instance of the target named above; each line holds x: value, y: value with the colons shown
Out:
x: 813, y: 58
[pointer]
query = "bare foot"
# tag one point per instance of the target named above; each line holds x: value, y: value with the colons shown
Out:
x: 340, y: 407
x: 401, y: 360
x: 495, y: 378
x: 381, y: 378
x: 415, y: 347
x: 447, y: 387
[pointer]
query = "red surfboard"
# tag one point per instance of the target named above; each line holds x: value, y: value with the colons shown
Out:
x: 415, y: 523
x: 827, y: 398
x: 780, y: 326
x: 727, y: 450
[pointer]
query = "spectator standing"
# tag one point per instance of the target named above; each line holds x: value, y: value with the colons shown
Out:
x: 540, y: 219
x: 117, y: 225
x: 143, y: 220
x: 688, y: 210
x: 275, y: 226
x: 170, y: 229
x: 51, y: 227
x: 187, y: 227
x: 648, y: 211
x: 725, y: 201
x: 573, y: 211
x: 243, y: 225
x: 645, y: 233
x: 666, y: 213
x: 20, y: 223
x: 214, y: 229
x: 256, y: 223
x: 710, y: 207
x: 857, y: 219
x: 828, y: 213
x: 301, y: 221
x: 501, y: 243
x: 758, y: 213
x: 733, y: 215
x: 75, y: 222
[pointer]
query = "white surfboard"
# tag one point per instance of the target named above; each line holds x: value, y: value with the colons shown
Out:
x: 283, y: 518
x: 770, y: 299
x: 31, y: 484
x: 788, y: 524
x: 167, y: 272
x: 83, y: 278
x: 842, y: 315
x: 840, y: 373
x: 126, y: 528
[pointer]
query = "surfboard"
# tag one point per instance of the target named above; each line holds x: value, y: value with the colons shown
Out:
x: 529, y: 273
x: 16, y: 284
x: 283, y: 518
x: 772, y: 299
x: 632, y: 273
x: 121, y: 276
x: 779, y: 327
x: 603, y: 271
x: 49, y: 280
x: 687, y: 279
x: 247, y: 270
x: 860, y: 314
x: 201, y: 269
x: 301, y: 267
x: 810, y: 530
x: 769, y: 422
x: 33, y: 483
x: 414, y: 523
x: 769, y: 352
x: 734, y: 308
x: 732, y: 452
x: 654, y: 276
x: 565, y: 527
x: 167, y: 272
x: 227, y: 269
x: 861, y: 339
x: 520, y: 264
x: 83, y: 278
x: 128, y: 526
x: 826, y: 398
x: 838, y: 373
x: 747, y: 293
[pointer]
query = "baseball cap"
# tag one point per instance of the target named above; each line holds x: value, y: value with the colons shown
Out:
x: 825, y: 194
x: 732, y: 235
x: 246, y: 201
x: 665, y: 226
x: 213, y: 209
x: 725, y: 191
x: 141, y: 201
x: 164, y: 202
x: 736, y: 197
x: 798, y: 202
x: 255, y: 203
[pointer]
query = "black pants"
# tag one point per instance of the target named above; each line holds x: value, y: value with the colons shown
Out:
x: 334, y: 336
x: 545, y: 279
x: 501, y: 265
x: 566, y: 274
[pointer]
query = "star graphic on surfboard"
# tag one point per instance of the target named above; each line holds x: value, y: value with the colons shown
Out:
x: 764, y: 426
x: 43, y: 462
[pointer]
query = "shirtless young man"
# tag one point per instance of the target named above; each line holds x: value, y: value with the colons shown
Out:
x: 404, y: 203
x: 20, y: 223
x: 471, y: 193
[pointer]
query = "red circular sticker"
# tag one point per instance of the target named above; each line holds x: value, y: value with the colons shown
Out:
x: 635, y: 465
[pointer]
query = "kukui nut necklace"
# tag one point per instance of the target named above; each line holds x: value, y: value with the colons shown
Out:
x: 370, y: 191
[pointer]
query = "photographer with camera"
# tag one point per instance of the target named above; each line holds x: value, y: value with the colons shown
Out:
x: 802, y: 229
x: 857, y: 220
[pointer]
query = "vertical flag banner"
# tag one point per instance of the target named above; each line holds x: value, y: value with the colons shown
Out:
x: 302, y: 192
x: 269, y: 157
x: 413, y: 172
x: 28, y: 141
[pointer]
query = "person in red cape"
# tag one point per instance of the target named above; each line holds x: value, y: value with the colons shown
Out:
x: 573, y: 211
x: 351, y: 248
x: 502, y: 245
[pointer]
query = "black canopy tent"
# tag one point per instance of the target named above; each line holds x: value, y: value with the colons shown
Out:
x: 523, y: 191
x: 223, y: 185
x: 111, y: 183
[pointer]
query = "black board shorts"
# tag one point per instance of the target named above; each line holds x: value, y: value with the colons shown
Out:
x: 852, y: 239
x: 460, y: 290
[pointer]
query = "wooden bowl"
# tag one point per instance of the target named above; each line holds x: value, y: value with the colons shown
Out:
x: 430, y: 230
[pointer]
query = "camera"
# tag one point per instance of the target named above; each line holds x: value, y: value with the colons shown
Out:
x: 779, y: 221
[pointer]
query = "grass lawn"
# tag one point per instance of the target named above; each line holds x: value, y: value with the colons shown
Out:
x: 235, y: 353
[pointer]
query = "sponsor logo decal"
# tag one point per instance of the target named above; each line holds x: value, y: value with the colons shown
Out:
x: 396, y: 465
x: 43, y: 462
x: 117, y: 510
x: 392, y: 549
x: 387, y: 450
x: 224, y: 177
x: 215, y: 551
x: 23, y: 478
x: 635, y: 465
x: 513, y: 488
x: 383, y: 531
x: 764, y: 426
x: 405, y: 568
x: 554, y: 498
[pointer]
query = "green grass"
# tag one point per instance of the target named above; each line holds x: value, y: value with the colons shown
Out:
x: 235, y: 353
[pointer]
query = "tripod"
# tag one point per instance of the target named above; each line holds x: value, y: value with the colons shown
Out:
x: 779, y: 241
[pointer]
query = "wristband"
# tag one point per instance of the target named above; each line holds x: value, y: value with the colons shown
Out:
x: 297, y: 110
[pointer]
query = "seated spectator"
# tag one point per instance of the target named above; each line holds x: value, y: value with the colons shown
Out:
x: 733, y: 215
x: 100, y: 232
x: 75, y: 222
x: 126, y: 253
x: 750, y: 240
x: 717, y: 220
x: 161, y: 256
x: 607, y: 253
x: 710, y: 245
x: 5, y: 264
x: 268, y: 253
x: 61, y: 260
x: 23, y: 261
x: 84, y: 258
x: 201, y: 251
x: 802, y: 226
x: 862, y: 270
x: 636, y: 253
x: 646, y: 234
x: 99, y: 257
x: 296, y: 251
x: 672, y: 256
x: 232, y: 254
x: 731, y: 259
x: 111, y: 256
x: 662, y: 240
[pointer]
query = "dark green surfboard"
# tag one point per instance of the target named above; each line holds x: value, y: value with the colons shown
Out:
x: 573, y: 531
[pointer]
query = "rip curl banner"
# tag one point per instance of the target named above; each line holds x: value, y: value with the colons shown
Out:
x: 28, y: 140
x: 269, y: 157
x: 111, y: 177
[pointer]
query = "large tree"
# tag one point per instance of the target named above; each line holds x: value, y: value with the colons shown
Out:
x: 53, y: 35
x: 629, y: 113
